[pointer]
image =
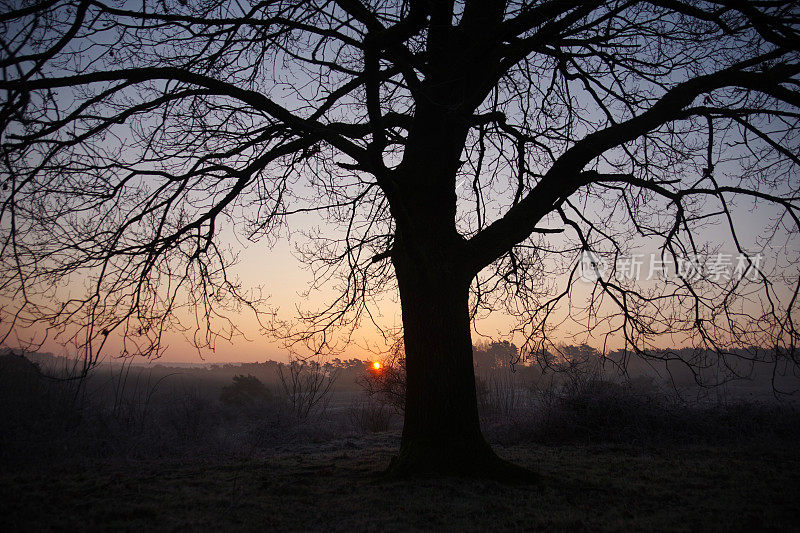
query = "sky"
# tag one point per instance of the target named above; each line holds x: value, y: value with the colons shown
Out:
x: 283, y: 278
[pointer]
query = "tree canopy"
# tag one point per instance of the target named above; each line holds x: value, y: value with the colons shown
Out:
x: 476, y: 147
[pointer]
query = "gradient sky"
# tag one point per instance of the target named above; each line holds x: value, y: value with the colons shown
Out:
x: 284, y: 279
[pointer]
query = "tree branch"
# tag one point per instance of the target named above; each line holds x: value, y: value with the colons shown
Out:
x: 565, y: 176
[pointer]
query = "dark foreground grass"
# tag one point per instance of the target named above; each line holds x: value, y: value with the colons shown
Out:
x: 583, y: 487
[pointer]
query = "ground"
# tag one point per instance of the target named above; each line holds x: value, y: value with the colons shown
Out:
x: 333, y: 486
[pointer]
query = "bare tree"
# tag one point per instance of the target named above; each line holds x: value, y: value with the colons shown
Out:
x: 387, y: 382
x: 467, y: 153
x: 307, y: 386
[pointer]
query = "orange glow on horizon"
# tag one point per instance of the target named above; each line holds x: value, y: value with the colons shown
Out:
x: 376, y: 365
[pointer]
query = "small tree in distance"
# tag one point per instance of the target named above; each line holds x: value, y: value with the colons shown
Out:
x: 387, y: 383
x: 307, y: 386
x: 464, y: 155
x: 245, y: 391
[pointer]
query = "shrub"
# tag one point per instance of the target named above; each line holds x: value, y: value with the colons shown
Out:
x: 307, y: 385
x: 387, y: 384
x: 245, y: 391
x: 370, y: 415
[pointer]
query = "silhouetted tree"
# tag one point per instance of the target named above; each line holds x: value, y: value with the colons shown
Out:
x: 388, y: 382
x: 494, y: 354
x: 244, y: 391
x: 307, y: 386
x: 463, y: 154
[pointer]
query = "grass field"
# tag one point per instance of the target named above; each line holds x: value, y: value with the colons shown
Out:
x: 334, y: 486
x: 610, y: 457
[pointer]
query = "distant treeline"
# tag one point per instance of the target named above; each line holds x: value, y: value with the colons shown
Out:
x: 680, y: 366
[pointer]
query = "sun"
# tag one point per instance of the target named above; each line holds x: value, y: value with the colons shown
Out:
x: 376, y: 365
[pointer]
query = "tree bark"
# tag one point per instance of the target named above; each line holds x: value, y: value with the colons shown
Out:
x: 441, y: 432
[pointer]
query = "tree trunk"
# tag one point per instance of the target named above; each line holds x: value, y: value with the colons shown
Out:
x: 441, y: 432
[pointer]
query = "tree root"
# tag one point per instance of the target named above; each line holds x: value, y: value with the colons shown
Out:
x: 420, y: 458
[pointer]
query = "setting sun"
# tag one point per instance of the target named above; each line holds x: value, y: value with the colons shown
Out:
x: 376, y: 365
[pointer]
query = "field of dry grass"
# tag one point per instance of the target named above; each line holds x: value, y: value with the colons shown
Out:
x: 334, y: 486
x: 610, y: 457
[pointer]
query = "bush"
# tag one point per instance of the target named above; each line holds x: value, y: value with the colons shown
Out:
x: 499, y: 393
x: 307, y: 386
x: 601, y: 411
x: 387, y: 384
x: 370, y: 415
x: 595, y: 410
x: 245, y: 391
